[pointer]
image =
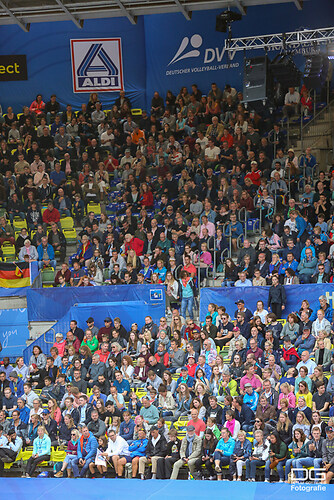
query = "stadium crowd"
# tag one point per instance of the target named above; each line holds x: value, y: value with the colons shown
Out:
x: 250, y: 391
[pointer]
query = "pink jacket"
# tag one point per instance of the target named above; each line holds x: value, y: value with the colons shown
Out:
x: 290, y: 397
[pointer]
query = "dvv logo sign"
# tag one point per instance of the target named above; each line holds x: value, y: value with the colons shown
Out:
x: 97, y: 65
x: 193, y: 56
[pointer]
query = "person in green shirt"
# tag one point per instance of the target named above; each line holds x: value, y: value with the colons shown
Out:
x: 90, y: 341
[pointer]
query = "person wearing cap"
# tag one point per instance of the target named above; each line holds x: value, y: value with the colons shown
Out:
x: 190, y: 452
x: 328, y: 454
x: 10, y: 446
x: 241, y: 308
x: 91, y: 325
x: 91, y: 190
x: 156, y: 448
x: 16, y: 384
x: 106, y: 329
x: 50, y: 426
x: 236, y: 337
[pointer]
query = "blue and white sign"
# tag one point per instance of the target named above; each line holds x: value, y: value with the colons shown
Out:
x: 156, y: 295
x: 97, y: 65
x: 13, y: 331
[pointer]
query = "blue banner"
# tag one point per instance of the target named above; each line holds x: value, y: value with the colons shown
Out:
x: 193, y: 51
x: 49, y: 70
x: 129, y: 312
x: 51, y: 304
x: 13, y: 331
x: 160, y: 490
x: 295, y: 294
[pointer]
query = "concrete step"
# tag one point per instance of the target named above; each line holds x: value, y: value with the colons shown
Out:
x: 38, y: 328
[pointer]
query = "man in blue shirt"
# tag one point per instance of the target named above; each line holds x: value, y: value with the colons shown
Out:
x: 122, y: 385
x: 57, y: 175
x: 24, y: 410
x: 235, y: 229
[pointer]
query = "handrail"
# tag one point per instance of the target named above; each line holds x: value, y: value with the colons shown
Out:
x: 245, y: 211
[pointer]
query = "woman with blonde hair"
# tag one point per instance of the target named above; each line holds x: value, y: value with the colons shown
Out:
x: 303, y: 390
x: 284, y: 428
x: 302, y: 423
x: 287, y: 392
x: 172, y: 288
x: 71, y: 454
x: 41, y: 451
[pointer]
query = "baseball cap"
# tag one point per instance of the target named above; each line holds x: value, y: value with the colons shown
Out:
x: 247, y: 385
x: 13, y: 374
x: 305, y: 200
x: 329, y: 429
x: 184, y: 369
x: 291, y: 150
x: 240, y: 301
x: 236, y: 329
x: 77, y: 139
x: 108, y: 319
x: 90, y: 320
x: 59, y: 335
x: 190, y: 428
x: 191, y: 356
x: 306, y: 329
x: 46, y: 411
x: 286, y: 339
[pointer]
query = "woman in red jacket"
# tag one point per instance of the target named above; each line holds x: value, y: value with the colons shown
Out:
x: 38, y: 105
x: 146, y: 198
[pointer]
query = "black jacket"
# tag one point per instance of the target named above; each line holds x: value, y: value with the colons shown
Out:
x: 52, y: 429
x: 159, y: 450
x: 277, y: 295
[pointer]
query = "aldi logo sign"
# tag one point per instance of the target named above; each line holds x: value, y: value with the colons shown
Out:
x: 97, y: 65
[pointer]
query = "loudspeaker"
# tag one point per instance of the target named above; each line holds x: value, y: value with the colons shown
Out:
x: 285, y: 71
x: 316, y: 71
x: 256, y: 79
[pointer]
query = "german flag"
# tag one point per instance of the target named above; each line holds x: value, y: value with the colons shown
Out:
x: 14, y: 275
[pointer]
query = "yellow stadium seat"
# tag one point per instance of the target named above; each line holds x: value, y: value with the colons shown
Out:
x: 136, y: 112
x: 70, y: 236
x: 94, y: 207
x: 67, y: 223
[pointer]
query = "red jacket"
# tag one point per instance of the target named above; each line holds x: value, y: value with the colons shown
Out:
x: 290, y: 352
x: 135, y: 244
x: 53, y: 216
x: 255, y: 177
x: 164, y: 359
x: 147, y: 199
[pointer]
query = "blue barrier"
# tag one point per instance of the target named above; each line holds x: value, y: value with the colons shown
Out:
x: 13, y: 331
x: 51, y: 304
x: 82, y: 489
x: 129, y: 312
x: 295, y: 294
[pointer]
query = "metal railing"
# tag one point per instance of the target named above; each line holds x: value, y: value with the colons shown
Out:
x: 318, y: 126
